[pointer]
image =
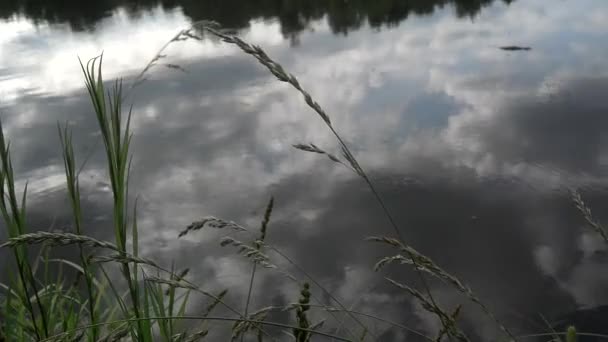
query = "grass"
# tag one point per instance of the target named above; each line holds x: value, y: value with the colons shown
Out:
x: 150, y: 302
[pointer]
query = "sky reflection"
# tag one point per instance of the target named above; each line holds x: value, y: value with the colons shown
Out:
x: 474, y: 148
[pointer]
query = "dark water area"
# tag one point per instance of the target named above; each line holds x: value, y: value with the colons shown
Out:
x: 475, y: 149
x: 293, y: 16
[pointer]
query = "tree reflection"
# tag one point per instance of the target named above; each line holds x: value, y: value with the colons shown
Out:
x: 294, y: 15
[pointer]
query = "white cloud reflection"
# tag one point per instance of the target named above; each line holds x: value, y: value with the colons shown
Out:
x: 42, y: 58
x: 369, y: 82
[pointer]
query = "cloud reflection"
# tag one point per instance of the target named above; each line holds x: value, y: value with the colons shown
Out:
x: 473, y: 148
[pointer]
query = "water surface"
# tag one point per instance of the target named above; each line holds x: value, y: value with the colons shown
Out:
x: 474, y: 148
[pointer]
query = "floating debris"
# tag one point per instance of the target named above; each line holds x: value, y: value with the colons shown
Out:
x: 515, y: 48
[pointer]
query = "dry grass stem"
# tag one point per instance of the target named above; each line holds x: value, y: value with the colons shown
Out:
x: 251, y: 323
x: 252, y: 253
x: 124, y: 258
x: 211, y: 222
x: 586, y: 211
x: 197, y: 336
x: 315, y: 149
x: 217, y: 300
x: 425, y: 264
x: 57, y: 239
x: 448, y: 321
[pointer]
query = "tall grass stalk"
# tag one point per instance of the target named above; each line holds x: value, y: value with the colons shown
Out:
x: 14, y: 215
x: 258, y: 245
x: 117, y: 140
x: 69, y: 162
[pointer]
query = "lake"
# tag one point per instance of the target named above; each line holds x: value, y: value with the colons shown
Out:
x: 473, y: 141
